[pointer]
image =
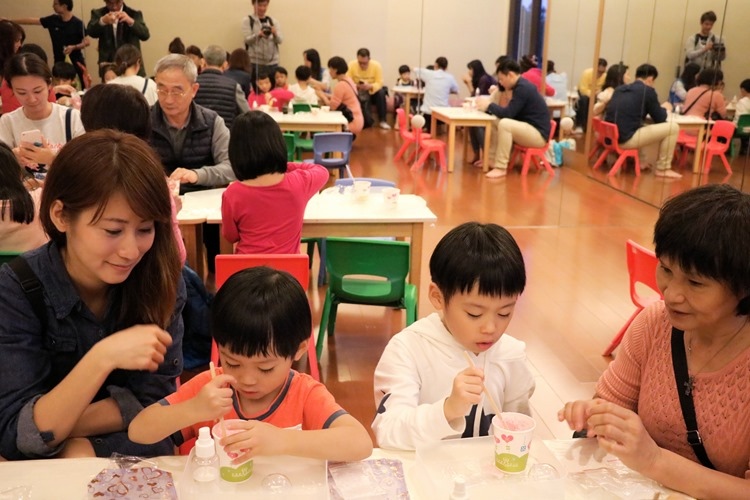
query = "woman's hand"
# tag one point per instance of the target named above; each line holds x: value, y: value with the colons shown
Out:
x: 140, y: 347
x: 621, y: 432
x: 576, y: 413
x: 256, y: 439
x: 29, y: 153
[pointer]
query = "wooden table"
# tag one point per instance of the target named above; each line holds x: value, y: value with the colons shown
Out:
x: 555, y: 105
x: 322, y: 121
x: 410, y: 92
x: 700, y: 126
x: 460, y: 117
x: 326, y: 215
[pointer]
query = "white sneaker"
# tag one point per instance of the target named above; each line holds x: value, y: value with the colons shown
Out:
x: 496, y: 173
x: 669, y: 173
x: 385, y: 126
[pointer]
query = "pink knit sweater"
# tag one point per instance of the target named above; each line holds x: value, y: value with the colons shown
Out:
x: 641, y: 378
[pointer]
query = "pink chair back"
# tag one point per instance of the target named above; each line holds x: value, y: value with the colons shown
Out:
x: 642, y: 264
x: 610, y: 137
x: 722, y: 132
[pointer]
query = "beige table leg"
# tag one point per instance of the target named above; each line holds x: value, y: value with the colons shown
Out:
x: 486, y: 152
x: 697, y: 163
x: 451, y: 145
x: 407, y: 110
x: 433, y: 126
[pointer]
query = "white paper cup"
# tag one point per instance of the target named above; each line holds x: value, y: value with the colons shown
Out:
x: 466, y: 106
x: 325, y: 109
x: 232, y: 473
x: 265, y: 108
x: 361, y: 190
x: 513, y: 441
x: 174, y: 186
x: 390, y: 196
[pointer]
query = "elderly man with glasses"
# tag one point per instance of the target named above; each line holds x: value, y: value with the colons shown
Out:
x: 191, y: 140
x: 114, y: 25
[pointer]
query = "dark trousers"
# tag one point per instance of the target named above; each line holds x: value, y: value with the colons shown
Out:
x: 378, y: 99
x: 582, y: 112
x: 476, y: 134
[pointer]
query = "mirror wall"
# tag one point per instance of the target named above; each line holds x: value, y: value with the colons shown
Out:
x: 638, y: 31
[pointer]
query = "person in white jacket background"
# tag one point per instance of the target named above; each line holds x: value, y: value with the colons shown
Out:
x: 425, y: 390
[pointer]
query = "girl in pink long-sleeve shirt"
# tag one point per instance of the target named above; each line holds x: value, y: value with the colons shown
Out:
x: 277, y: 98
x: 263, y: 212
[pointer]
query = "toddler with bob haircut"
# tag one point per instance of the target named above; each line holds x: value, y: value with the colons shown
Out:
x: 261, y: 322
x: 425, y: 390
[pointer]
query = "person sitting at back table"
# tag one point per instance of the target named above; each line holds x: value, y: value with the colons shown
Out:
x: 525, y: 120
x: 304, y: 93
x: 321, y: 78
x: 63, y: 80
x: 218, y: 92
x: 196, y: 55
x: 344, y: 94
x: 367, y: 75
x: 530, y: 71
x: 685, y: 82
x: 438, y: 86
x: 706, y: 100
x: 478, y: 82
x: 617, y: 75
x: 629, y: 106
x: 127, y: 66
x: 239, y: 69
x: 250, y: 209
x: 280, y: 78
x: 277, y: 98
x: 588, y: 86
x: 701, y: 330
x: 20, y: 229
x: 743, y: 108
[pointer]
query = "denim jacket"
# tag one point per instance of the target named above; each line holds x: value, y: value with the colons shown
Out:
x: 33, y: 361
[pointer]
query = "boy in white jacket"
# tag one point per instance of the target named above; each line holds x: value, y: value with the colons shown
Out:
x: 424, y: 389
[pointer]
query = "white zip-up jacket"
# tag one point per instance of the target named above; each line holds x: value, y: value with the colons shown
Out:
x: 415, y: 374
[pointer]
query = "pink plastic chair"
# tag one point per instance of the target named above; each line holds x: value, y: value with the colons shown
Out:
x: 294, y: 264
x: 718, y: 143
x: 407, y: 136
x: 610, y: 138
x: 534, y: 153
x: 642, y: 264
x: 596, y: 124
x: 428, y: 146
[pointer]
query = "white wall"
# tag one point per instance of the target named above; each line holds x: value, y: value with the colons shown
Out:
x: 396, y: 31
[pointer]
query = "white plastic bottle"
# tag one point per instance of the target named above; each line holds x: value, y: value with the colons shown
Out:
x: 205, y: 462
x: 459, y: 489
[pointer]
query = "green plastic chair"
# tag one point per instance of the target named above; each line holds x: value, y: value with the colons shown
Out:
x: 8, y: 256
x: 742, y: 130
x: 300, y: 144
x: 290, y: 139
x: 368, y: 272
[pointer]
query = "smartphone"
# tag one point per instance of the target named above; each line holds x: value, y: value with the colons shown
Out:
x: 32, y: 136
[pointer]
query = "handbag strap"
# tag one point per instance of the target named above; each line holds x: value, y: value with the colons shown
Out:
x: 685, y: 391
x: 684, y: 111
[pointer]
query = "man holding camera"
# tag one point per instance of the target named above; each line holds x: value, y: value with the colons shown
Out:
x: 705, y: 48
x: 115, y: 25
x: 262, y: 38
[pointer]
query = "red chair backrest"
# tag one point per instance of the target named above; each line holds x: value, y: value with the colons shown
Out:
x: 294, y: 264
x: 552, y: 130
x: 610, y: 135
x: 598, y: 130
x: 642, y: 264
x: 722, y: 132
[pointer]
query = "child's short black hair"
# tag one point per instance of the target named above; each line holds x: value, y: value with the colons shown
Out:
x: 302, y: 73
x: 282, y: 70
x: 262, y: 74
x: 64, y: 70
x: 745, y: 85
x: 256, y: 146
x: 261, y: 311
x: 483, y: 255
x: 404, y: 69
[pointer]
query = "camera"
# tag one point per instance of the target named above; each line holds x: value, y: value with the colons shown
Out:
x: 266, y: 30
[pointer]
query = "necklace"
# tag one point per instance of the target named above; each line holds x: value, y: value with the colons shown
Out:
x: 690, y: 384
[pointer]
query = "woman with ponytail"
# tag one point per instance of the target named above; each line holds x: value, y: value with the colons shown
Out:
x: 127, y: 65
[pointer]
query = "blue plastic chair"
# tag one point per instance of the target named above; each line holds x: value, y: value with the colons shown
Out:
x: 329, y: 143
x: 374, y: 183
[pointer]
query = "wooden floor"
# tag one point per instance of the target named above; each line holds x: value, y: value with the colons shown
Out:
x: 572, y: 232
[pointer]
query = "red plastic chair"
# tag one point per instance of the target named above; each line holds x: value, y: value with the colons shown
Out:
x: 427, y: 147
x: 294, y: 264
x: 610, y: 138
x: 642, y: 264
x: 596, y: 124
x: 406, y: 135
x: 718, y: 143
x: 534, y: 153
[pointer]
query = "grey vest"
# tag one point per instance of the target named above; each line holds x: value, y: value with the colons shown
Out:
x: 196, y: 150
x: 219, y: 93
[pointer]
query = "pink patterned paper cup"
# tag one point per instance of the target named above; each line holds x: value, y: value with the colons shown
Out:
x: 512, y: 441
x: 229, y: 471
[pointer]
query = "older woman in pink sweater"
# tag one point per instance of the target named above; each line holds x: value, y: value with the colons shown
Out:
x: 702, y: 242
x: 706, y: 98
